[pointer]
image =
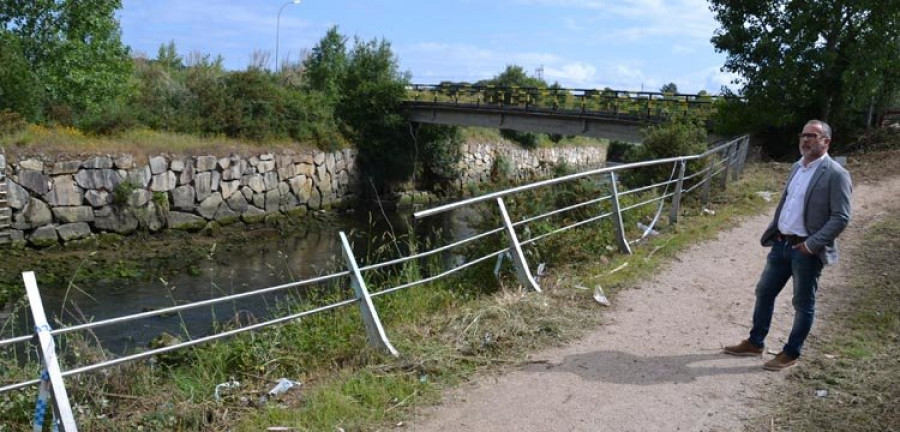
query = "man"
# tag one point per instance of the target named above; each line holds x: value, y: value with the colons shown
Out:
x: 814, y: 209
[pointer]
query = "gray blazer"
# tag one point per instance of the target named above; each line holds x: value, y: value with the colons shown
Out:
x: 826, y: 210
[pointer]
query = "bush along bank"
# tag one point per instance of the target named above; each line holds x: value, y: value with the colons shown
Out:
x: 62, y: 201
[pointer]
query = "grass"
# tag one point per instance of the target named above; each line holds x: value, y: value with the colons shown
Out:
x: 140, y: 143
x: 854, y: 360
x: 446, y: 332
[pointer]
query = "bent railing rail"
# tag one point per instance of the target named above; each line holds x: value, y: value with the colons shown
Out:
x: 723, y: 162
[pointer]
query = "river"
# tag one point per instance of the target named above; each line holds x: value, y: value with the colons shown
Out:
x: 281, y: 259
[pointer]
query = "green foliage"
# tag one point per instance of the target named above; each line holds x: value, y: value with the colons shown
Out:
x: 620, y: 151
x: 11, y: 122
x: 20, y: 90
x: 528, y: 140
x: 665, y: 141
x: 122, y: 192
x: 441, y: 151
x: 372, y: 109
x: 257, y: 105
x: 74, y: 49
x: 829, y: 60
x: 327, y: 64
x: 669, y: 88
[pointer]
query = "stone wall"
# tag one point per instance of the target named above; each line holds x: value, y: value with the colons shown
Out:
x: 56, y: 201
x: 62, y: 201
x: 479, y: 159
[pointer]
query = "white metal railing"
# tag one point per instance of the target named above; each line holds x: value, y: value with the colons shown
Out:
x: 722, y: 160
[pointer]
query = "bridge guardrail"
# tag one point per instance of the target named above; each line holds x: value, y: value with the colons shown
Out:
x: 723, y: 162
x: 620, y: 104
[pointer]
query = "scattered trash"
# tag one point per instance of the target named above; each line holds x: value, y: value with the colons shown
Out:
x: 600, y: 296
x: 830, y: 356
x: 821, y: 393
x: 619, y: 268
x: 280, y: 429
x: 283, y: 385
x: 709, y: 212
x: 581, y: 287
x: 227, y: 386
x: 765, y: 195
x: 540, y: 269
x: 610, y: 248
x: 646, y: 229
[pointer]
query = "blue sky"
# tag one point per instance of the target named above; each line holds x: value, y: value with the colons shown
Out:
x: 623, y: 44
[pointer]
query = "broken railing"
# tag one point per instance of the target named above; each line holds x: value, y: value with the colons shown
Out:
x: 720, y: 164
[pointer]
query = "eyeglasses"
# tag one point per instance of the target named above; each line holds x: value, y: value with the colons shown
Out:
x: 810, y: 136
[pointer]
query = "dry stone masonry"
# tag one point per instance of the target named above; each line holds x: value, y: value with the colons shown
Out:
x: 68, y: 200
x: 63, y: 201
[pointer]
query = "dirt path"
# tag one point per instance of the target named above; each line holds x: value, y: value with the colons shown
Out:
x: 656, y: 364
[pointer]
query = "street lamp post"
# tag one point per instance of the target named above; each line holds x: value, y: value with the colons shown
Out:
x: 278, y: 29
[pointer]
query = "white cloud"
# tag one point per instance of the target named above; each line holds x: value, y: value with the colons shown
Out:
x: 571, y: 74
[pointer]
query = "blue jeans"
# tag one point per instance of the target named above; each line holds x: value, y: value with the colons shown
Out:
x: 785, y: 263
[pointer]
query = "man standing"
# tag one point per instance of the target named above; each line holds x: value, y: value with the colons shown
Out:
x: 814, y: 209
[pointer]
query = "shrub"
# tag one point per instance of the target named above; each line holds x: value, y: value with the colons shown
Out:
x: 528, y: 140
x: 665, y: 141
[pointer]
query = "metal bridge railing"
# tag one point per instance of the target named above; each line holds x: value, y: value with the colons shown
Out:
x: 720, y: 162
x: 636, y: 106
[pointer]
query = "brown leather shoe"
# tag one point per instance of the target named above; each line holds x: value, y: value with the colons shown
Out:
x: 781, y: 361
x: 743, y: 349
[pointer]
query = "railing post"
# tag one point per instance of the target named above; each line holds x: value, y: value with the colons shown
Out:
x: 723, y: 181
x: 374, y: 331
x: 707, y: 178
x: 523, y: 274
x: 617, y: 216
x: 61, y: 405
x: 735, y: 160
x: 745, y: 149
x: 676, y: 198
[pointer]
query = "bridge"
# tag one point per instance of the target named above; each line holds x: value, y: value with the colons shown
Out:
x: 611, y: 114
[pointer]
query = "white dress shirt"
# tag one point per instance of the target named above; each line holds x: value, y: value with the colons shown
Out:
x: 791, y: 220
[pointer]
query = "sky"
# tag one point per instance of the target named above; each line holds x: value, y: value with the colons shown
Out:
x: 581, y: 44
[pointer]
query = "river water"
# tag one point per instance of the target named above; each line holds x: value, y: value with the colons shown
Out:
x: 281, y: 259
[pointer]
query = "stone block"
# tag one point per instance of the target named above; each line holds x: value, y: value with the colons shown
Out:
x: 98, y: 162
x: 73, y: 231
x: 64, y: 192
x: 44, y: 236
x: 184, y: 198
x: 164, y: 182
x: 158, y: 165
x: 69, y: 215
x: 98, y: 198
x: 185, y: 221
x: 206, y: 163
x: 34, y: 181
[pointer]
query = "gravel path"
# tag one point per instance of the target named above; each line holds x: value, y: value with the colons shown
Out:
x: 656, y: 363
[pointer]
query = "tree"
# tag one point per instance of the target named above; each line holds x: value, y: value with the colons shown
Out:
x: 19, y: 88
x: 829, y: 59
x: 73, y: 47
x: 327, y: 64
x: 669, y: 88
x: 371, y: 106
